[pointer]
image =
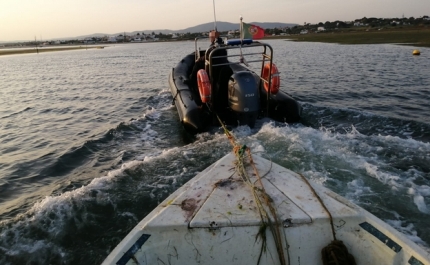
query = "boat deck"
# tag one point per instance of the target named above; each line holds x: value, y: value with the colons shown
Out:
x: 215, y: 219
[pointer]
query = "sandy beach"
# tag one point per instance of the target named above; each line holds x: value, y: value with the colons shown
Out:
x: 40, y: 50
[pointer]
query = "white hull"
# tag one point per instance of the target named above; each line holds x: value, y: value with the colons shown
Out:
x: 213, y: 219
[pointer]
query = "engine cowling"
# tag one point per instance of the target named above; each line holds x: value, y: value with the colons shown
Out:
x: 244, y: 98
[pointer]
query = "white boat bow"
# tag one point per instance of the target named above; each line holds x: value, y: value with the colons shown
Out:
x: 215, y: 219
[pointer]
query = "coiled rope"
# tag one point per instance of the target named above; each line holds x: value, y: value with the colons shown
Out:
x: 336, y: 252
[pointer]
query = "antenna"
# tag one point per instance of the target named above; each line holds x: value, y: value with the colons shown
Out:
x: 214, y: 15
x: 241, y: 28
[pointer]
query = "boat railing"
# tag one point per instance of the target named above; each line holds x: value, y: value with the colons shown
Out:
x: 266, y: 56
x: 234, y: 45
x: 198, y: 49
x: 242, y: 45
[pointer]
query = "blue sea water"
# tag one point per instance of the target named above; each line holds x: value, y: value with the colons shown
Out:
x: 90, y: 141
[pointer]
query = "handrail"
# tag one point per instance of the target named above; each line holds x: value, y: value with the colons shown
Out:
x: 197, y: 50
x: 235, y: 63
x: 266, y: 56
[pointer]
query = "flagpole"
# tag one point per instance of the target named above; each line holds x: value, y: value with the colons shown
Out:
x: 241, y: 58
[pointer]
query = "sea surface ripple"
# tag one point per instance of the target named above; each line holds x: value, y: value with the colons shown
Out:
x: 90, y: 142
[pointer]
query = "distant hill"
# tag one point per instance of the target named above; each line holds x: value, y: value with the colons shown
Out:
x: 226, y: 26
x: 206, y: 27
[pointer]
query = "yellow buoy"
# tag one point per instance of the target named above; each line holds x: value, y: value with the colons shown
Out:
x: 416, y: 52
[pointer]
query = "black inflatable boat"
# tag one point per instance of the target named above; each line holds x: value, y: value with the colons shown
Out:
x: 227, y: 89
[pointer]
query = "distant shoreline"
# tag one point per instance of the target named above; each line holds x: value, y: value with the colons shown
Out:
x: 413, y: 37
x: 419, y: 37
x: 26, y: 50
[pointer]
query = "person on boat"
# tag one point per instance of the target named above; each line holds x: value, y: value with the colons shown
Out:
x: 214, y: 38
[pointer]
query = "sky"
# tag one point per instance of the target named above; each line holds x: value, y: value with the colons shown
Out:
x: 56, y: 19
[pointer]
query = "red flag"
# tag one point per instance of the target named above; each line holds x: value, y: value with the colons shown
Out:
x: 250, y: 31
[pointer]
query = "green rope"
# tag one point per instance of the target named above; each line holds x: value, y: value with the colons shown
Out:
x: 260, y: 196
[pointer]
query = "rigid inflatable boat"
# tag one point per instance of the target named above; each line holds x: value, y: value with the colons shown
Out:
x: 238, y: 84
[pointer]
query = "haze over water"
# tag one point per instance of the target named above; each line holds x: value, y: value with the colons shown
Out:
x: 90, y: 142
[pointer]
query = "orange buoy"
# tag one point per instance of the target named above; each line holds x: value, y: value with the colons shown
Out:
x: 416, y: 52
x: 275, y: 82
x: 204, y: 85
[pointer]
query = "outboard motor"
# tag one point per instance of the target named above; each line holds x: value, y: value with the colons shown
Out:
x: 244, y: 98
